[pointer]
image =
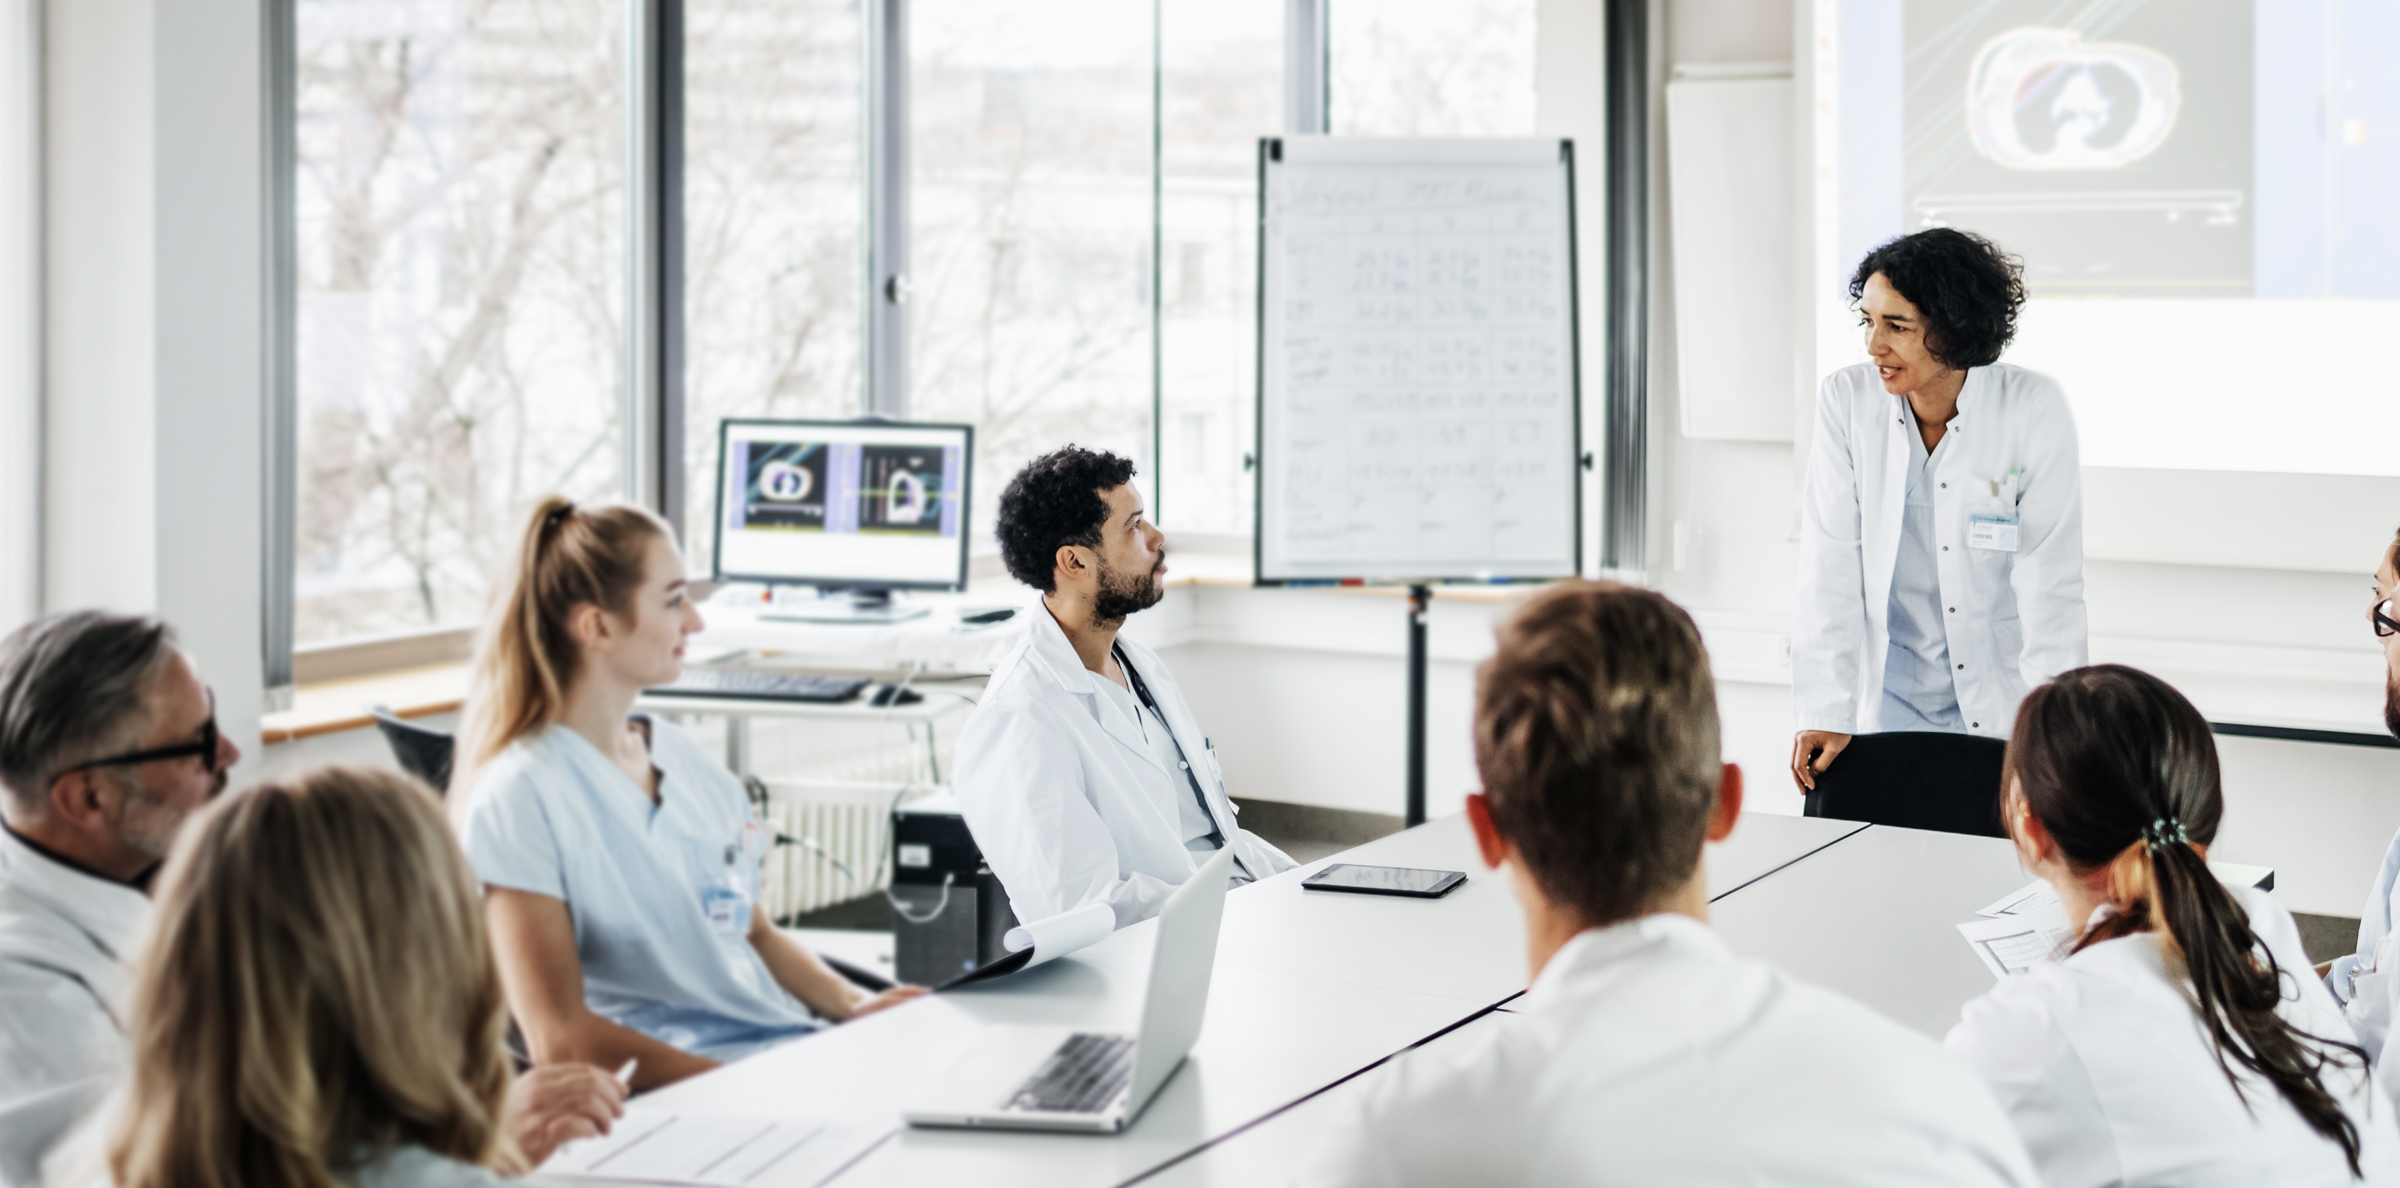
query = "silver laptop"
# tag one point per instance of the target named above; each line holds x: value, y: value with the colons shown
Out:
x: 1061, y: 1078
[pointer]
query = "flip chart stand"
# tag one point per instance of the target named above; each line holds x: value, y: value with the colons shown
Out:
x: 1419, y: 599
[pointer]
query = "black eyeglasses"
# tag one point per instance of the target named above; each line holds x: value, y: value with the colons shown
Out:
x: 205, y: 746
x: 2385, y: 621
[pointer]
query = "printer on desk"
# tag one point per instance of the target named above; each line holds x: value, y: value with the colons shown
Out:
x: 948, y: 912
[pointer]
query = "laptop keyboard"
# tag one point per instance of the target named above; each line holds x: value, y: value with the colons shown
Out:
x: 1084, y: 1076
x: 776, y: 686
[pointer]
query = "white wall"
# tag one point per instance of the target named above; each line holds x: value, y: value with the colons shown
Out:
x: 99, y: 546
x: 20, y: 310
x: 153, y: 329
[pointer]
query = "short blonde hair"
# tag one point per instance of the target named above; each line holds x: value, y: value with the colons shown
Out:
x: 318, y: 991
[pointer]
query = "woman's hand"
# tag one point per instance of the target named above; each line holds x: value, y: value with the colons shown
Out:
x: 558, y: 1103
x: 1822, y: 745
x: 869, y: 1003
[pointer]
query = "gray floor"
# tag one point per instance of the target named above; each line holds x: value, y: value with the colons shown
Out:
x: 2326, y: 937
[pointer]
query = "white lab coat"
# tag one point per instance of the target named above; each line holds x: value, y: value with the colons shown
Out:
x: 1647, y: 1053
x: 2014, y: 619
x: 67, y: 946
x: 2367, y: 982
x: 2108, y: 1074
x: 1068, y: 802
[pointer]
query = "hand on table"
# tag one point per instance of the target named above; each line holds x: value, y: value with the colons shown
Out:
x: 884, y: 1001
x: 1824, y: 745
x: 555, y: 1104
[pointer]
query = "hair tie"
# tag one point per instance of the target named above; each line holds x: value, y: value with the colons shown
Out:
x: 2165, y: 831
x: 558, y: 515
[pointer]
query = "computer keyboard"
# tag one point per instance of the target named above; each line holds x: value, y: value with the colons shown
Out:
x: 1084, y: 1076
x: 762, y: 686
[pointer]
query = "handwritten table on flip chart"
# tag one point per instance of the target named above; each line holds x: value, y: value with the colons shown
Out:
x: 1417, y: 360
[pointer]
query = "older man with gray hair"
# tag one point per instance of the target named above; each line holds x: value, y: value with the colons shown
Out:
x: 108, y: 740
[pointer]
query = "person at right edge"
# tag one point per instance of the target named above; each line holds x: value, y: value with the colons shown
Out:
x: 1941, y: 536
x: 2367, y: 981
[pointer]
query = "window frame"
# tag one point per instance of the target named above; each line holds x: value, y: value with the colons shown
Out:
x: 654, y: 350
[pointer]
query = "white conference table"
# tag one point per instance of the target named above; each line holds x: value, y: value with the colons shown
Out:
x: 1309, y: 988
x: 1876, y: 918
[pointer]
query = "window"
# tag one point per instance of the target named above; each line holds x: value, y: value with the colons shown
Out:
x: 459, y: 250
x: 1031, y: 154
x: 1082, y: 257
x: 1221, y: 86
x: 1432, y: 67
x: 771, y: 183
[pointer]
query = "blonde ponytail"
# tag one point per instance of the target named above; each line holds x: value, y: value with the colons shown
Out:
x: 525, y: 657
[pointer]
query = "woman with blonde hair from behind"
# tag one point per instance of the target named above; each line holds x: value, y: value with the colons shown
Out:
x: 319, y: 1006
x: 620, y: 862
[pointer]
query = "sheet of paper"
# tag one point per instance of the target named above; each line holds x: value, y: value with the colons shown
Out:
x: 2012, y: 944
x: 1052, y: 937
x: 2033, y: 897
x: 716, y: 1151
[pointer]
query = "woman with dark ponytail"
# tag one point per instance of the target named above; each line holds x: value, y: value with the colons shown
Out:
x: 2182, y: 1040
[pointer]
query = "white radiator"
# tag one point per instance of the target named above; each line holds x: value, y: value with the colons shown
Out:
x: 848, y: 824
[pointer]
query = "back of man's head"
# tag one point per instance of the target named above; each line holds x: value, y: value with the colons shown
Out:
x: 1055, y: 501
x: 1596, y: 736
x: 73, y: 687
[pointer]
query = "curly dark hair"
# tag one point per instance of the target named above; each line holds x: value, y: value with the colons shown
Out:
x: 1056, y: 501
x: 1967, y: 288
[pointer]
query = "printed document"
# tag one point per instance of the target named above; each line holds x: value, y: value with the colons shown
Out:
x: 716, y: 1151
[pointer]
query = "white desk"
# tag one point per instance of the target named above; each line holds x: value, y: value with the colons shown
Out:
x: 1469, y: 944
x: 1309, y: 988
x: 935, y: 642
x: 1271, y: 1150
x: 1268, y: 1040
x: 1876, y: 919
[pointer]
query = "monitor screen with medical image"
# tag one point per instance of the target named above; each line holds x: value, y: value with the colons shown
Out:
x: 842, y: 504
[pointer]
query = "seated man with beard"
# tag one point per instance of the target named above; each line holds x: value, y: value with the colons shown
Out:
x: 1082, y: 773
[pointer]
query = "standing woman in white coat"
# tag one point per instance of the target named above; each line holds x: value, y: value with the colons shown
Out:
x: 1941, y: 539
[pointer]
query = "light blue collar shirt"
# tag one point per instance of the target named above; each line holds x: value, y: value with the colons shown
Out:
x: 661, y: 894
x: 1918, y: 692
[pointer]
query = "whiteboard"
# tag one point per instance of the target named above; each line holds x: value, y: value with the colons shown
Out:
x: 1417, y: 360
x: 1729, y: 186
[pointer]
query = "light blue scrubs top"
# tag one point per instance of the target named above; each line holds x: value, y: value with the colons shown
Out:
x: 660, y: 893
x: 1918, y: 690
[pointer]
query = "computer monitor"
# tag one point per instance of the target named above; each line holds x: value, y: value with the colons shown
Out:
x: 865, y: 506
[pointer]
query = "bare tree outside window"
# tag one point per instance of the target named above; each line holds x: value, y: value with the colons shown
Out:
x: 1031, y: 160
x: 460, y: 258
x: 772, y: 223
x: 1432, y: 67
x: 1222, y: 83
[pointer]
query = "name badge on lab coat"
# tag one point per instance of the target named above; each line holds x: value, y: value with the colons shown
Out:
x: 728, y: 909
x: 1992, y: 530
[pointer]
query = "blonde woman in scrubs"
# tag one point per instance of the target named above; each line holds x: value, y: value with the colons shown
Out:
x: 1941, y: 541
x: 620, y: 863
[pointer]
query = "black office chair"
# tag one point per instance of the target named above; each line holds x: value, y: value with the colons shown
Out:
x: 423, y: 752
x: 1915, y: 780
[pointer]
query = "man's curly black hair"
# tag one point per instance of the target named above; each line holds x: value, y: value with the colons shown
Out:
x: 1967, y: 288
x: 1056, y: 501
